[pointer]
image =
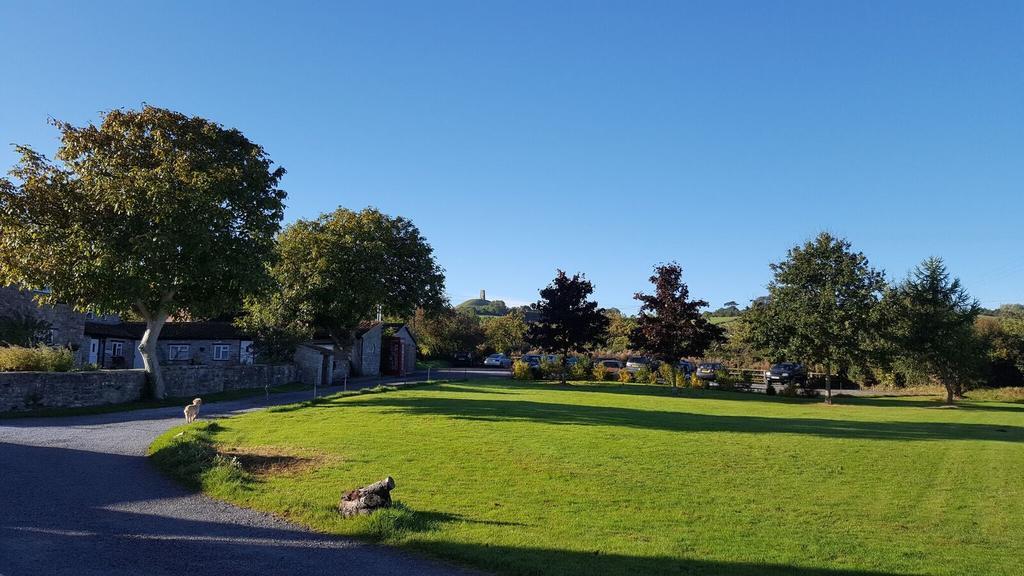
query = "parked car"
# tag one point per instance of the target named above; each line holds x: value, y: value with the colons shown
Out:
x: 462, y: 359
x: 611, y: 365
x: 498, y: 361
x: 531, y: 360
x: 634, y: 363
x: 709, y: 370
x: 786, y: 373
x: 685, y: 367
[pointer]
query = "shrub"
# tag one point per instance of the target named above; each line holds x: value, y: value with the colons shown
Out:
x: 643, y: 374
x: 521, y: 370
x: 725, y: 380
x: 550, y: 369
x: 36, y: 359
x: 696, y: 382
x: 625, y: 376
x: 599, y: 372
x: 665, y: 372
x: 583, y: 369
x: 769, y: 389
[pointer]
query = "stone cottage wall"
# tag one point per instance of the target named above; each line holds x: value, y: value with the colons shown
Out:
x: 186, y: 381
x: 35, y: 390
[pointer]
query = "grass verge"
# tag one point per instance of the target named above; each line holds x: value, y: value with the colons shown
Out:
x: 590, y: 479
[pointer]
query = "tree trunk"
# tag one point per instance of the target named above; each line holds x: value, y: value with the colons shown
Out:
x: 674, y: 377
x: 150, y: 360
x: 828, y: 385
x: 565, y: 365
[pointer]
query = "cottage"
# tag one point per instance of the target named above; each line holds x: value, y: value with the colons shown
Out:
x: 181, y: 343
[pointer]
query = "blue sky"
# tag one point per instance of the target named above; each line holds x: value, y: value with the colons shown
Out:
x: 600, y: 137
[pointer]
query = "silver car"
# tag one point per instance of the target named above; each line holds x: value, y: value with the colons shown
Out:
x: 498, y: 361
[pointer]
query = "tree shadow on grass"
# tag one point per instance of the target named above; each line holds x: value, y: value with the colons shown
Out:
x: 583, y: 415
x: 516, y: 560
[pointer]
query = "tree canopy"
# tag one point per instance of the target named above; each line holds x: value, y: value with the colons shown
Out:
x: 933, y: 320
x: 343, y: 268
x: 150, y: 212
x: 670, y: 325
x: 570, y: 321
x: 820, y: 306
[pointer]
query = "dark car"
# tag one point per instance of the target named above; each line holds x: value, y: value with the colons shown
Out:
x: 786, y: 373
x: 531, y: 360
x: 709, y: 370
x: 634, y: 363
x: 463, y: 359
x: 685, y: 367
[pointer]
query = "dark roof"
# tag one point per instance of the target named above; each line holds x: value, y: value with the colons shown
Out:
x: 104, y: 330
x: 364, y: 327
x: 171, y: 331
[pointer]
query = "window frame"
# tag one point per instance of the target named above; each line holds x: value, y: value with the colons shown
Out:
x: 217, y: 348
x: 174, y: 352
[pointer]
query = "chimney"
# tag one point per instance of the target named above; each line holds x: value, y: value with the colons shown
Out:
x: 483, y: 294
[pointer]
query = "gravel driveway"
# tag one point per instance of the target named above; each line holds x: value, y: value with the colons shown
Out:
x: 79, y: 497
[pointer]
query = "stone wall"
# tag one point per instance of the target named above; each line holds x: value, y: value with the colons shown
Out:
x: 190, y: 381
x: 35, y: 390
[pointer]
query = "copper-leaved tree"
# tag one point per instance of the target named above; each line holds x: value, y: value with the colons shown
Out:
x: 670, y: 325
x: 149, y: 212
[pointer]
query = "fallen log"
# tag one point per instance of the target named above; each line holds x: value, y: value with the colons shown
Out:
x: 367, y: 499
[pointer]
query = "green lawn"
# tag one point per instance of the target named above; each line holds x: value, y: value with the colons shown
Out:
x: 524, y: 478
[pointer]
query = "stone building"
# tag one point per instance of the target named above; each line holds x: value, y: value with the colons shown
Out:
x: 59, y: 325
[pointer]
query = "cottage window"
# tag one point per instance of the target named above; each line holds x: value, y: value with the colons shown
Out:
x: 221, y: 351
x: 178, y: 352
x: 117, y: 349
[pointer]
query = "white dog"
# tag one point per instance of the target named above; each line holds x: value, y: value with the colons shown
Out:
x: 192, y: 410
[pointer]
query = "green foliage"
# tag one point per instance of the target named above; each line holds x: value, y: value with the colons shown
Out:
x: 151, y: 212
x: 332, y: 273
x: 192, y: 206
x: 550, y: 369
x: 932, y: 326
x: 521, y: 370
x: 696, y: 382
x: 666, y: 374
x: 600, y: 372
x: 583, y: 369
x: 36, y: 359
x: 442, y: 333
x: 625, y: 376
x: 821, y: 306
x: 620, y: 327
x: 22, y: 330
x: 644, y: 374
x: 506, y: 333
x: 670, y: 325
x: 570, y: 323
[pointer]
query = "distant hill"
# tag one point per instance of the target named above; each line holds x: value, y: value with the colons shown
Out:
x: 484, y: 307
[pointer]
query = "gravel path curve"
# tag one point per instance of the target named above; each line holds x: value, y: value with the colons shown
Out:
x: 78, y: 497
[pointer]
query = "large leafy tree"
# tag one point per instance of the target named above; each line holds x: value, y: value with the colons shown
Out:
x: 444, y: 332
x: 570, y: 321
x: 151, y: 212
x: 933, y: 320
x: 670, y: 325
x: 820, y: 307
x: 343, y: 268
x: 506, y: 333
